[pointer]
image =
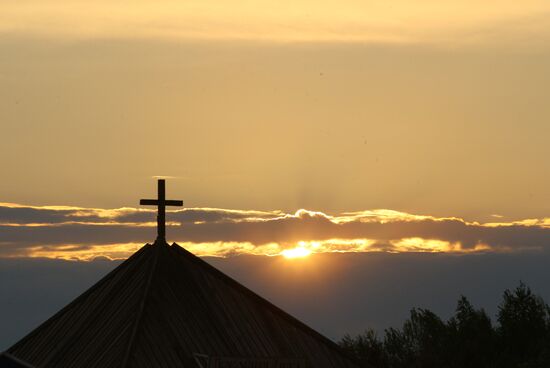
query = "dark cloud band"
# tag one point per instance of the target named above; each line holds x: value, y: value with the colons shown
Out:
x: 24, y: 229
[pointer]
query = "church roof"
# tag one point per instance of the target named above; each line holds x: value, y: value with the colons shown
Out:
x: 165, y: 307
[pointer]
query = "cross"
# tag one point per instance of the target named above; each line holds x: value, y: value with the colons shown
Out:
x: 161, y: 204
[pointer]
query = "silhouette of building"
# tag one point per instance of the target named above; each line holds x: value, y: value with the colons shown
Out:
x: 165, y: 307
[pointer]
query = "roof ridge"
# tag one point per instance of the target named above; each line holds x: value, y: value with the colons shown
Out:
x: 291, y: 319
x: 139, y: 316
x: 75, y: 302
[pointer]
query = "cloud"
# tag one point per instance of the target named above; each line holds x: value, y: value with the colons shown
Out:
x: 87, y: 233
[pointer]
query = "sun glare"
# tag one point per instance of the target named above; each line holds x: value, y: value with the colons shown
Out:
x: 298, y: 252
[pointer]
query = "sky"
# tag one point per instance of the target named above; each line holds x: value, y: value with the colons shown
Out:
x: 366, y: 129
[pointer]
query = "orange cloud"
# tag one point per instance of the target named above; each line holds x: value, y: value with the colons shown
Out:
x: 85, y: 233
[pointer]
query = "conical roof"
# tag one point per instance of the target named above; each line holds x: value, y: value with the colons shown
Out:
x: 165, y: 307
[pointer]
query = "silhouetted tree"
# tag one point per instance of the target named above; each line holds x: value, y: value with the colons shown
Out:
x: 523, y: 331
x: 424, y: 337
x: 472, y: 337
x: 467, y: 340
x: 366, y: 348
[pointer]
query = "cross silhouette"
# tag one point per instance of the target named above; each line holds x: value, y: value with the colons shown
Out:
x: 161, y: 204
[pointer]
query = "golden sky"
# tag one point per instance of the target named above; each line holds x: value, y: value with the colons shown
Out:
x: 431, y: 107
x: 413, y: 132
x: 305, y: 20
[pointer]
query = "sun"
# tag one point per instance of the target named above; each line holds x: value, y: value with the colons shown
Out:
x: 298, y: 252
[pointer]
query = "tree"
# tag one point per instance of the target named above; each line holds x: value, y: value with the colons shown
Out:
x: 366, y: 348
x: 467, y: 340
x: 420, y: 344
x: 523, y: 331
x: 472, y: 338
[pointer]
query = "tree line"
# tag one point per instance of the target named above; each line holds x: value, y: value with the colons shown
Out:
x: 520, y: 338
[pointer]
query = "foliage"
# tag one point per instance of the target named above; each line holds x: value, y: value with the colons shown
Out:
x: 520, y: 339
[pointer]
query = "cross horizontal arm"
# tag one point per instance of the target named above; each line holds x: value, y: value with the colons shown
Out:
x: 161, y: 202
x: 149, y: 202
x: 154, y: 202
x: 171, y: 202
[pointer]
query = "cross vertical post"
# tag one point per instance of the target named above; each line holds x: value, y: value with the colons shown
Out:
x: 161, y: 208
x: 161, y: 204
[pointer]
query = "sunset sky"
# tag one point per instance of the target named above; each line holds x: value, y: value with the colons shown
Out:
x: 289, y: 128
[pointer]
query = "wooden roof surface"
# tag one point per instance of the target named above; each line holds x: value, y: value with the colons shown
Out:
x: 165, y: 307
